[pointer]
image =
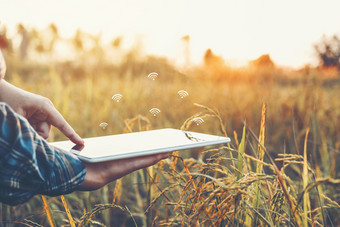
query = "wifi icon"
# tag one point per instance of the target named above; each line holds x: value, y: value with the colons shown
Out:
x: 103, y: 125
x: 153, y: 76
x: 117, y: 97
x: 154, y: 111
x: 198, y: 120
x: 183, y: 93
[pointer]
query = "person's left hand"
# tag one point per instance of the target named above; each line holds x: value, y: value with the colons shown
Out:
x: 99, y: 174
x: 38, y: 110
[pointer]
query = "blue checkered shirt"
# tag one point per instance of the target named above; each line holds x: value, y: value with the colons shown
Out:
x: 29, y: 166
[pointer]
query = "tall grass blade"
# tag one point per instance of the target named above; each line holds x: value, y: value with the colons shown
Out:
x: 69, y: 216
x: 6, y: 217
x: 117, y: 193
x: 87, y: 217
x: 105, y: 200
x: 305, y: 182
x: 48, y: 212
x: 28, y: 223
x: 148, y: 173
x: 259, y: 167
x: 241, y: 150
x: 282, y: 182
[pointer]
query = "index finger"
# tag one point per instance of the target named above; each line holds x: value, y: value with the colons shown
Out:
x: 58, y: 121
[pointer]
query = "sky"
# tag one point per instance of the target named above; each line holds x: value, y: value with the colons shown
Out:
x: 237, y: 30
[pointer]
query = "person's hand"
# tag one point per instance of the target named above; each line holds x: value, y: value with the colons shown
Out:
x: 102, y: 173
x: 38, y: 110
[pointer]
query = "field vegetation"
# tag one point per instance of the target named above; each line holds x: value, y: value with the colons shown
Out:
x: 281, y: 168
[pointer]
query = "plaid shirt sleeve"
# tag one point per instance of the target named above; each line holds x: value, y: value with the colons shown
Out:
x: 29, y: 166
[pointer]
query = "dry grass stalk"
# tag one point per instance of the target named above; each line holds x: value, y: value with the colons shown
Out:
x: 241, y: 153
x: 48, y: 211
x: 260, y: 154
x: 330, y: 200
x: 282, y: 182
x: 69, y: 216
x: 87, y: 217
x: 29, y: 223
x: 117, y: 193
x: 207, y: 113
x: 305, y: 183
x: 138, y: 120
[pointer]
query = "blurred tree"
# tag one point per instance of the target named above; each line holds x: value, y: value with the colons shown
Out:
x: 328, y: 51
x: 96, y: 46
x: 211, y: 60
x: 78, y: 40
x: 215, y: 66
x: 117, y: 42
x: 186, y: 48
x: 24, y: 41
x: 54, y: 32
x: 264, y: 61
x: 36, y: 41
x: 263, y: 68
x: 5, y: 43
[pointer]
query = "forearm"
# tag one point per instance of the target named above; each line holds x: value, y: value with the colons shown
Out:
x: 8, y: 92
x: 12, y: 95
x: 4, y: 87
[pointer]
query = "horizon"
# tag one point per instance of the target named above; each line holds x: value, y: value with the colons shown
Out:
x: 236, y: 31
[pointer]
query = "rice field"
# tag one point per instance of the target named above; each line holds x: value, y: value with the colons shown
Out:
x: 281, y: 168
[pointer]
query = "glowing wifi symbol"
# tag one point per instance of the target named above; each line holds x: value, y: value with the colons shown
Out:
x: 153, y: 76
x: 198, y: 120
x: 103, y: 125
x: 183, y: 93
x: 117, y: 97
x: 154, y: 111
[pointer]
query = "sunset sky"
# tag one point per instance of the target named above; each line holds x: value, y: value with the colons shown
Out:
x: 237, y: 30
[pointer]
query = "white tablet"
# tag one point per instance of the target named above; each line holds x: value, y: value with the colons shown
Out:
x: 106, y: 148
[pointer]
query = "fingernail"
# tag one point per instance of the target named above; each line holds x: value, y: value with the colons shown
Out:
x: 80, y: 139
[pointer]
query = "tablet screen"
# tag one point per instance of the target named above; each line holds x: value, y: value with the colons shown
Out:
x: 135, y: 144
